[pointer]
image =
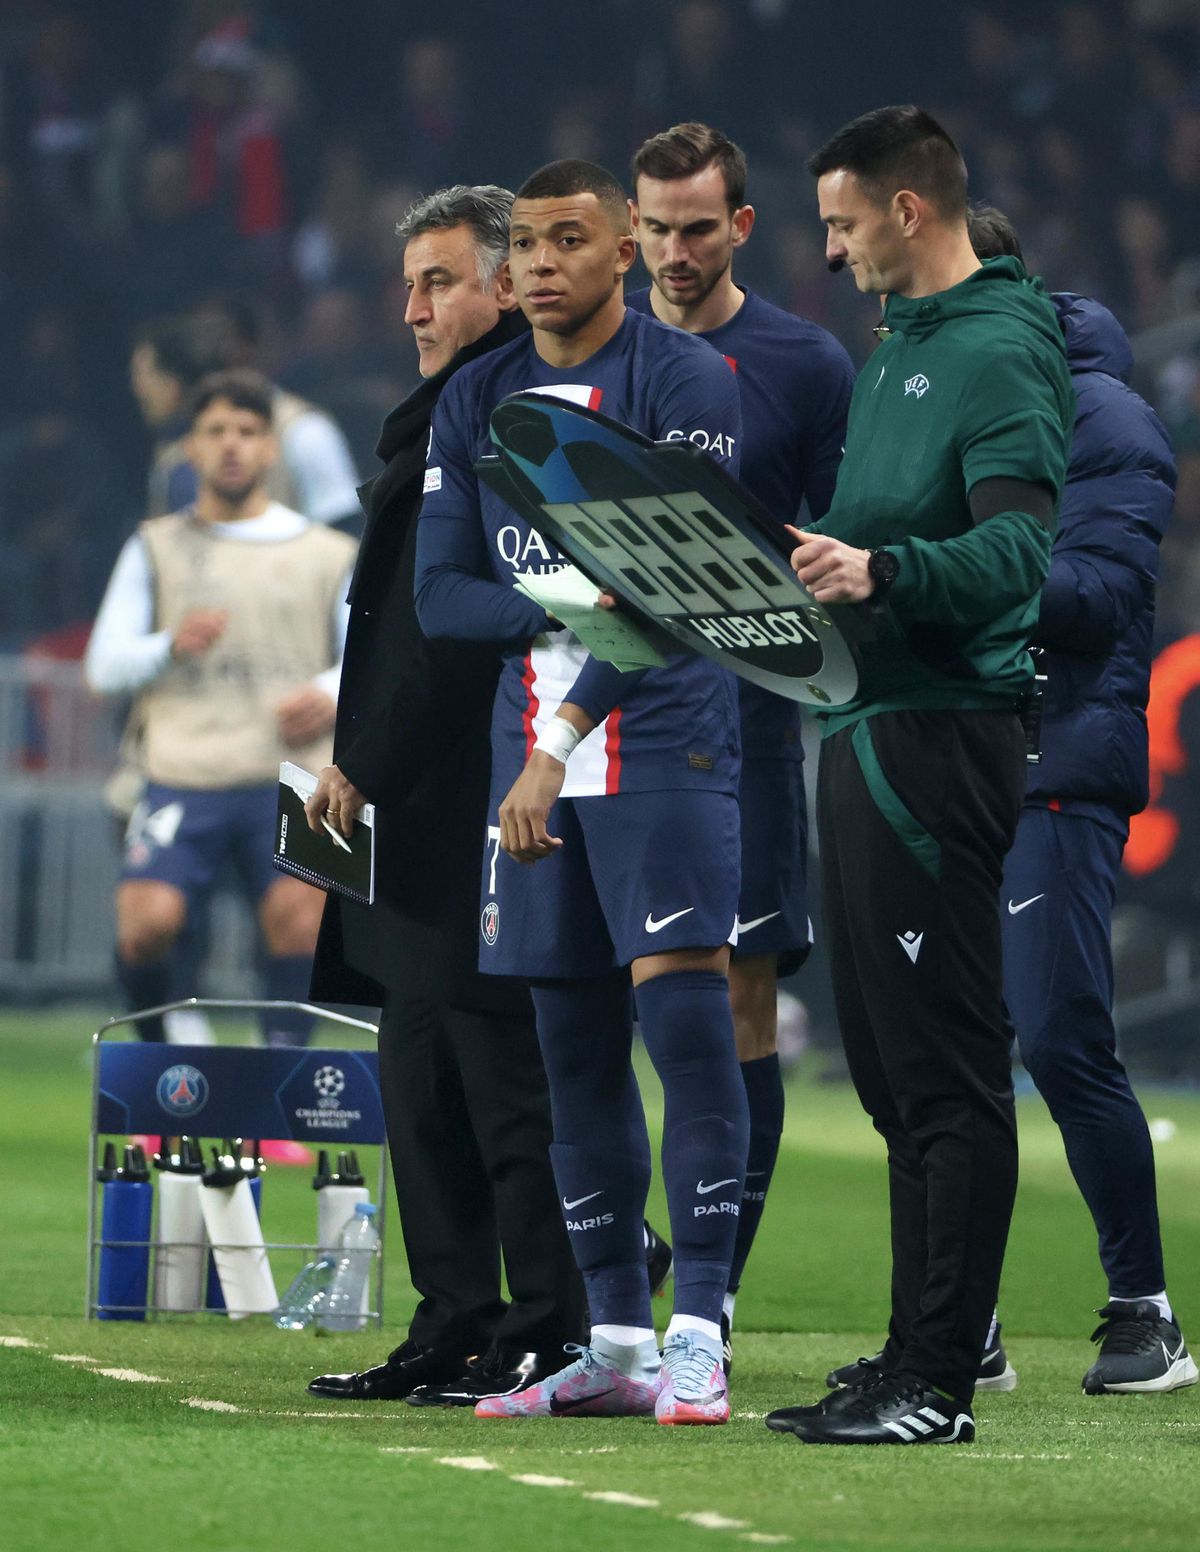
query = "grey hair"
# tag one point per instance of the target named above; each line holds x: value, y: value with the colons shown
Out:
x: 483, y: 207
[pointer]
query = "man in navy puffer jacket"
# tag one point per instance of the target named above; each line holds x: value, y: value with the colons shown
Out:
x: 1095, y: 626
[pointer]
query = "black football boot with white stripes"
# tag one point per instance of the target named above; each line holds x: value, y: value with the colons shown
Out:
x: 892, y: 1408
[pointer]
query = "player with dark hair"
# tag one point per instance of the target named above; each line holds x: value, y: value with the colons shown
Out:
x: 955, y: 456
x: 615, y: 852
x: 690, y: 217
x: 225, y: 621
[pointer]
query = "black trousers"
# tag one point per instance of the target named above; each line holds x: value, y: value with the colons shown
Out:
x: 468, y: 1122
x: 916, y: 810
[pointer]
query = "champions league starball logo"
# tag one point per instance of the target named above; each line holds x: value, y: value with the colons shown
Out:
x: 182, y: 1090
x: 329, y: 1082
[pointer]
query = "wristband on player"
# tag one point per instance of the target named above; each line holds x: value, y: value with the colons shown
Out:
x: 557, y: 739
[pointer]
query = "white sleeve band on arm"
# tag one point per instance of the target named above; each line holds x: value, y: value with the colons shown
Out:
x: 557, y: 739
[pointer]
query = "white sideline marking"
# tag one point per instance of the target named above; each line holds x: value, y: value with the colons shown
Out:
x: 354, y: 1417
x: 404, y: 1449
x: 73, y: 1358
x: 531, y: 1479
x: 608, y: 1449
x: 989, y: 1455
x: 709, y: 1519
x: 202, y: 1405
x: 467, y: 1462
x: 761, y: 1539
x: 133, y: 1375
x: 750, y: 1417
x: 630, y: 1500
x: 18, y: 1341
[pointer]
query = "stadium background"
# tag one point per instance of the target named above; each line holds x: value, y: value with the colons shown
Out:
x: 154, y: 155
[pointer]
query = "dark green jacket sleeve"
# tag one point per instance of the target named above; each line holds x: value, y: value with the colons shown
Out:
x: 975, y: 577
x: 1013, y: 420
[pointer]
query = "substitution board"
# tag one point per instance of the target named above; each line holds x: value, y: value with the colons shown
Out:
x: 684, y: 546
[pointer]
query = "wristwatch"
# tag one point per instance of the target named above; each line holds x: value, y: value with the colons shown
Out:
x: 883, y: 567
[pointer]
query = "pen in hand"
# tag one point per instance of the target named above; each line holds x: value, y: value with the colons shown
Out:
x: 335, y: 834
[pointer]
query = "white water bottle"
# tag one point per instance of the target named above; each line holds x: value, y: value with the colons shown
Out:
x: 181, y: 1251
x: 338, y: 1194
x: 236, y: 1236
x: 357, y: 1249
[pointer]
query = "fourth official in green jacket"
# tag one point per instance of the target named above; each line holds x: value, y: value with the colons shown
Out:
x: 940, y: 527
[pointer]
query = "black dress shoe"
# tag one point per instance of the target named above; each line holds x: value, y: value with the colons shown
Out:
x: 501, y: 1371
x: 407, y: 1367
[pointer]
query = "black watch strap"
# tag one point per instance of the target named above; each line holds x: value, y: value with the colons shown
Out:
x: 883, y: 566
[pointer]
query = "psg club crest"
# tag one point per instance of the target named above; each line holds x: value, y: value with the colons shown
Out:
x: 182, y: 1090
x: 489, y: 923
x: 696, y: 560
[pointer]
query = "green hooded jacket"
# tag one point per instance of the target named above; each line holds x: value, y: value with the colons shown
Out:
x: 970, y: 383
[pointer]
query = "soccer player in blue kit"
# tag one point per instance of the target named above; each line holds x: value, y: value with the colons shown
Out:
x: 616, y: 852
x: 689, y: 216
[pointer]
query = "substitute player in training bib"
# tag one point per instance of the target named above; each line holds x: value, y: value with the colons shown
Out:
x: 689, y: 215
x: 621, y: 789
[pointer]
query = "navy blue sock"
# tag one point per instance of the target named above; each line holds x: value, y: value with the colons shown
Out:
x: 286, y: 978
x: 187, y: 956
x: 600, y: 1153
x: 145, y: 986
x: 688, y: 1030
x: 764, y: 1096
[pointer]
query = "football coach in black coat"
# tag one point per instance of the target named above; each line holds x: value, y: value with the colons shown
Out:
x: 464, y: 1093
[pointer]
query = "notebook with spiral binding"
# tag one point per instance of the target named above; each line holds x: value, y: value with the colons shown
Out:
x: 317, y: 858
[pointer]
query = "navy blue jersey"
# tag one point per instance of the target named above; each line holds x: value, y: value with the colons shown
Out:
x: 659, y: 728
x: 795, y: 381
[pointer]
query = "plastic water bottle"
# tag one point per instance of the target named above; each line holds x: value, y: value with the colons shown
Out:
x: 357, y: 1248
x: 308, y: 1296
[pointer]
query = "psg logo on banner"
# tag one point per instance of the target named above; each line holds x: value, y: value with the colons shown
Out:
x: 692, y: 555
x: 182, y: 1090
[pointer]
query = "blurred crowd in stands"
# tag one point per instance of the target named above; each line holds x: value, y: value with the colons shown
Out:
x: 252, y: 159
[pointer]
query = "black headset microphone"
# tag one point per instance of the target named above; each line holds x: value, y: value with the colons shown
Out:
x: 836, y: 266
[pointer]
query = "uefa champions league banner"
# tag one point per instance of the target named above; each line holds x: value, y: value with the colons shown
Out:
x: 696, y: 561
x: 323, y: 1096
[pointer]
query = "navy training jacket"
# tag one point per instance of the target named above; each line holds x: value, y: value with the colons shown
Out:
x: 1097, y: 613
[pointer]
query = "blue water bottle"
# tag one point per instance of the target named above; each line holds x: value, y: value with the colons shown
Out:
x: 127, y: 1202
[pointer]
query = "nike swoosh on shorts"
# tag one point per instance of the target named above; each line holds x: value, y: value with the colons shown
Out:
x: 657, y: 926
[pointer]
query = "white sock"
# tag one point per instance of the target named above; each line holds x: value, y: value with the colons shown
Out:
x: 727, y: 1304
x: 188, y: 1026
x: 705, y: 1328
x: 632, y: 1351
x: 1160, y: 1299
x: 992, y: 1330
x: 623, y: 1336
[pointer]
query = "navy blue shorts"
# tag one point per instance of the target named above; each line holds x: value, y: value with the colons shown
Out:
x: 638, y: 873
x: 773, y: 907
x: 190, y: 838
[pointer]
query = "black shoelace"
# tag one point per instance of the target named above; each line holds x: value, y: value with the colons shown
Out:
x: 1123, y: 1330
x: 886, y: 1387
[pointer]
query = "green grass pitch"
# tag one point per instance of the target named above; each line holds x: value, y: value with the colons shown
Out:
x: 99, y: 1460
